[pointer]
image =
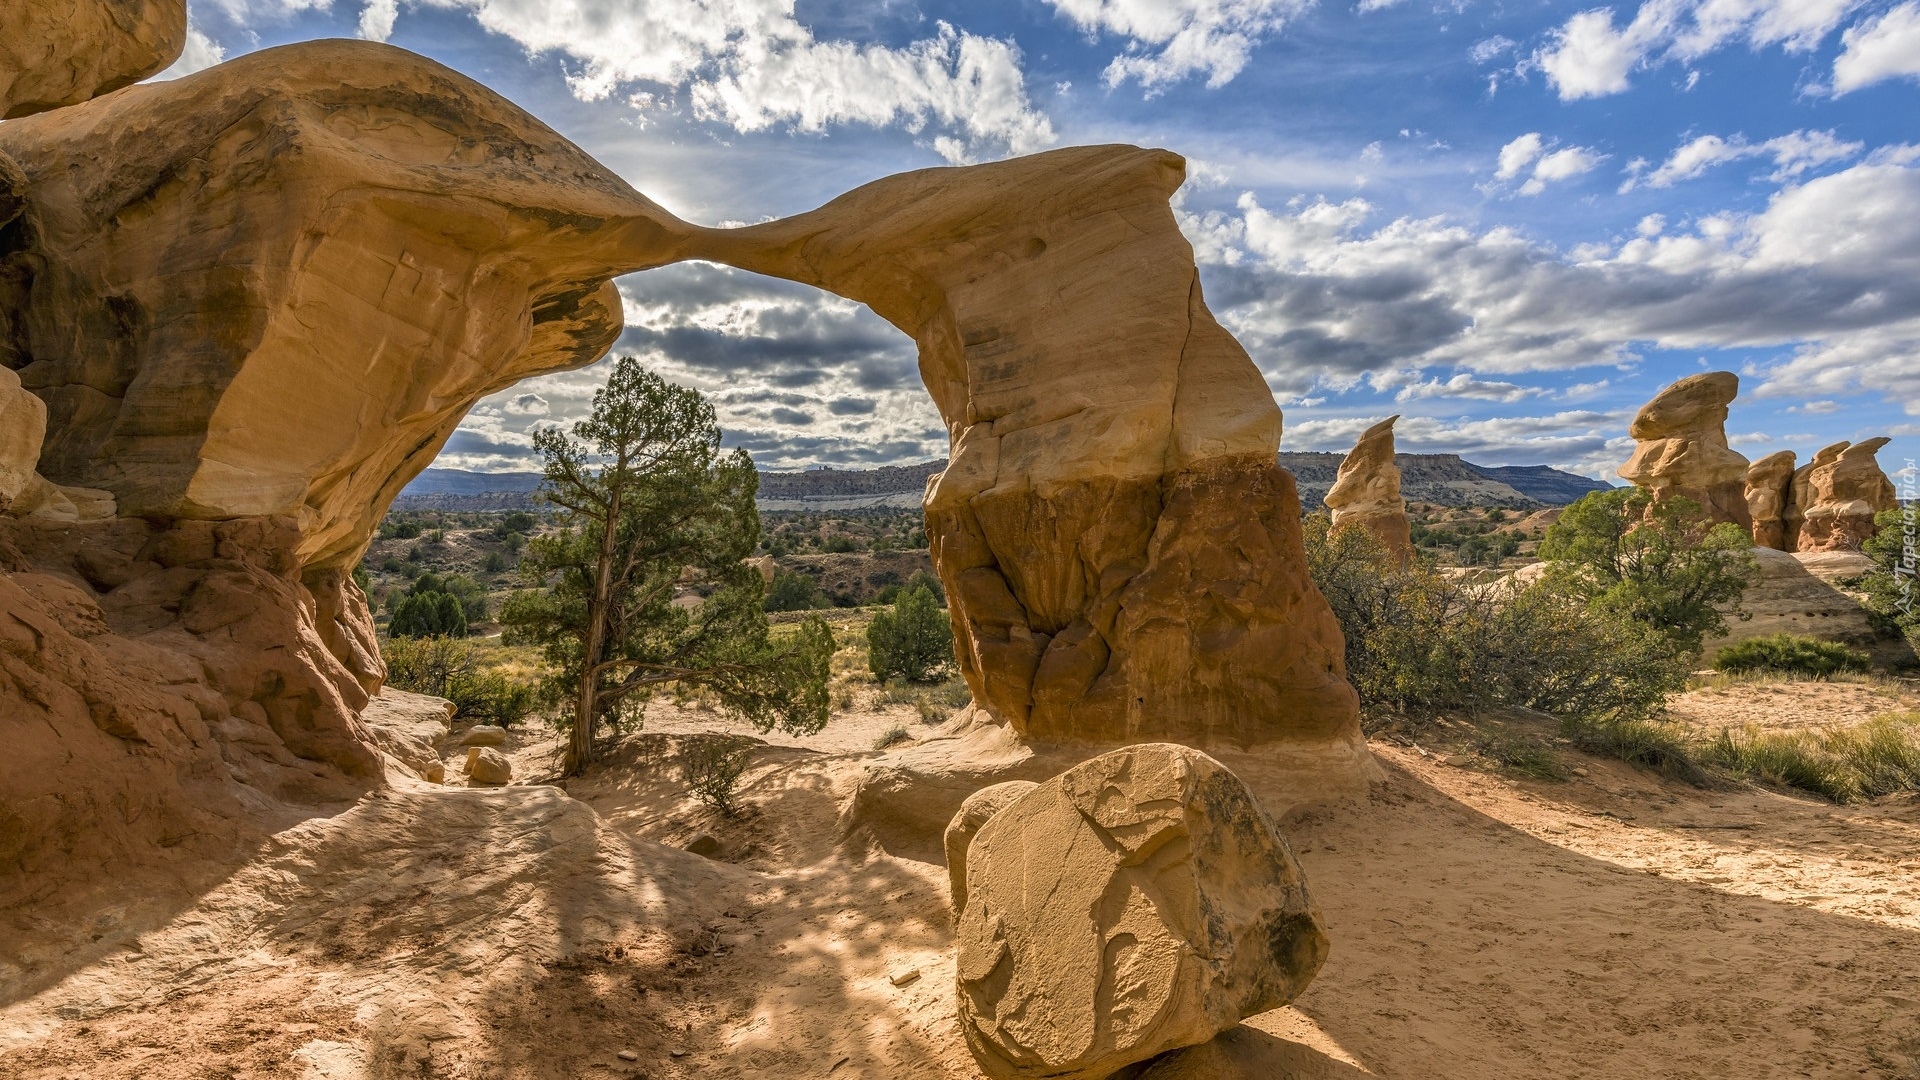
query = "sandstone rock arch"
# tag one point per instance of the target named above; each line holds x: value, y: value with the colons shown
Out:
x: 283, y: 308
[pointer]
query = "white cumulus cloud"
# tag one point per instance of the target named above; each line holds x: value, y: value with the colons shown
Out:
x: 1171, y: 40
x: 1590, y: 56
x: 201, y: 52
x: 1549, y: 166
x: 1884, y: 48
x: 754, y: 66
x: 1792, y: 154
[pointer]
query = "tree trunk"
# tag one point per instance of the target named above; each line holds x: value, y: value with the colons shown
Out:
x: 586, y: 700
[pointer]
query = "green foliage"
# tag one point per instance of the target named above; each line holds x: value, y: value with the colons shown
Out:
x: 1792, y: 654
x: 893, y: 736
x: 1664, y: 747
x: 1879, y: 757
x: 517, y: 521
x: 835, y: 545
x: 1419, y: 644
x: 494, y: 562
x: 1661, y: 564
x: 646, y: 494
x: 400, y: 529
x: 1524, y: 755
x: 795, y: 591
x: 914, y: 641
x: 1891, y: 587
x: 712, y: 766
x: 452, y: 669
x: 427, y: 615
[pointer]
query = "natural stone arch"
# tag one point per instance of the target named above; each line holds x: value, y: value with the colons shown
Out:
x: 283, y: 307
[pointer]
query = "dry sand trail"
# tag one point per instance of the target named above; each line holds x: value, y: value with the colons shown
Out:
x: 1616, y: 925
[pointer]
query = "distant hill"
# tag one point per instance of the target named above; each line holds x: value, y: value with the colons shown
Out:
x: 1436, y: 478
x: 1449, y: 480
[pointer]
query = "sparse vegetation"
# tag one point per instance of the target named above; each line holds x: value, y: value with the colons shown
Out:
x: 1792, y: 654
x: 712, y: 766
x: 460, y: 672
x: 795, y: 591
x: 1879, y: 757
x: 1522, y: 754
x: 893, y: 736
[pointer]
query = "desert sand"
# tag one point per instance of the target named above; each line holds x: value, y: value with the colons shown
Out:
x: 1482, y: 925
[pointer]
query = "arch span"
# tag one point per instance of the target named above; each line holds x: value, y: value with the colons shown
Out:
x: 273, y: 288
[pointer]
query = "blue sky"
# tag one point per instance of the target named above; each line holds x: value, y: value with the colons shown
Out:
x: 1509, y: 222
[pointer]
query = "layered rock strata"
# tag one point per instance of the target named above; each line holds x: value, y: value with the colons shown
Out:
x: 63, y: 52
x: 1138, y: 902
x: 1366, y: 493
x: 1682, y: 451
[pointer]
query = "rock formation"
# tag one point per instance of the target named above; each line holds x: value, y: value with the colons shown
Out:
x: 63, y: 52
x: 1366, y: 494
x: 1800, y: 492
x: 257, y: 300
x: 1138, y: 902
x: 1122, y: 556
x: 1682, y: 447
x: 1769, y: 493
x: 974, y: 813
x: 1843, y: 493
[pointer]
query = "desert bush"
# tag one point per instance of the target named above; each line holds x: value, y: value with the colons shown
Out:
x: 712, y: 767
x: 452, y: 668
x: 1419, y: 644
x: 1791, y: 654
x: 914, y: 641
x: 427, y: 615
x: 1666, y: 748
x: 1661, y: 564
x: 1522, y: 754
x: 893, y: 736
x: 794, y: 591
x: 1892, y: 598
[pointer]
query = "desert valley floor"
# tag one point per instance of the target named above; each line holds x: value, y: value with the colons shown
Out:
x: 1484, y: 925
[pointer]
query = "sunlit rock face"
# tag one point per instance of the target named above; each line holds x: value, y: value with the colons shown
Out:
x: 1682, y: 451
x: 1138, y: 902
x: 274, y: 287
x: 1769, y: 494
x: 63, y: 52
x: 1366, y: 493
x: 1839, y: 495
x: 254, y: 302
x: 1122, y: 555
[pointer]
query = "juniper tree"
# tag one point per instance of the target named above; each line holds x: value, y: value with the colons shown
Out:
x: 650, y: 503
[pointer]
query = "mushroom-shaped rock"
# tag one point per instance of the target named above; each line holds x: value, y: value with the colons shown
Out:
x: 1769, y: 492
x: 63, y: 52
x: 1844, y: 493
x: 1682, y: 451
x: 1138, y: 902
x: 1800, y: 492
x: 1366, y: 493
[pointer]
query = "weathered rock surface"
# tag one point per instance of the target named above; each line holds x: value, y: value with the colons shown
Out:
x: 1843, y: 494
x: 62, y: 52
x: 410, y: 728
x: 1789, y: 598
x: 484, y: 735
x: 1800, y: 494
x: 275, y: 286
x: 1769, y: 493
x: 23, y: 491
x: 1366, y: 494
x: 1682, y: 447
x: 1121, y: 554
x: 1139, y: 902
x: 485, y: 765
x: 974, y: 813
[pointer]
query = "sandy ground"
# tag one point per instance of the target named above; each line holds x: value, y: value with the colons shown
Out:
x: 1613, y: 926
x: 1780, y: 705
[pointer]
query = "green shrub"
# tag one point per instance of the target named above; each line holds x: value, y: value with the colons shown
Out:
x: 893, y: 736
x: 1521, y: 754
x: 1793, y: 654
x: 1664, y: 747
x: 427, y: 615
x: 794, y: 591
x: 1879, y: 757
x: 836, y: 545
x: 914, y: 641
x: 451, y: 668
x: 712, y: 766
x: 1660, y: 564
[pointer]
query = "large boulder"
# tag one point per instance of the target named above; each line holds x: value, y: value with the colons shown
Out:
x: 1681, y: 447
x: 1769, y: 494
x: 485, y: 765
x: 1843, y: 496
x: 1366, y: 493
x: 1138, y: 902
